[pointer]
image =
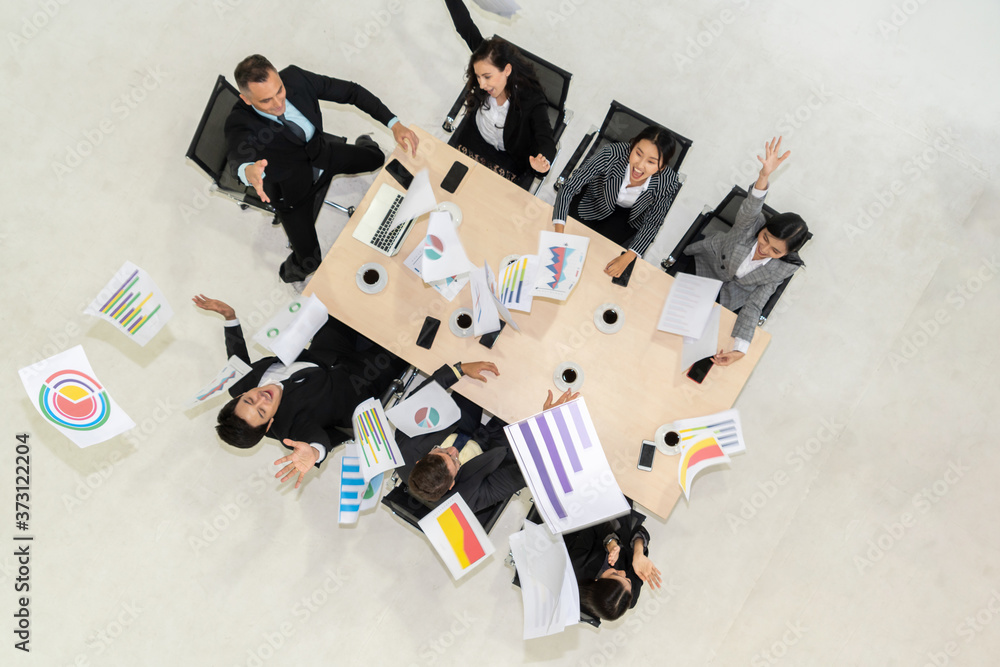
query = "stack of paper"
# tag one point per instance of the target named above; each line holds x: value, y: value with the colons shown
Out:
x: 549, y: 590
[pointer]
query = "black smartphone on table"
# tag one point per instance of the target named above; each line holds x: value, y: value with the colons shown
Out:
x: 400, y: 173
x: 699, y: 369
x: 454, y: 177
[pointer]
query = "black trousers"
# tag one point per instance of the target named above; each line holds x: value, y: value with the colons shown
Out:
x: 299, y: 221
x: 374, y: 366
x: 615, y: 227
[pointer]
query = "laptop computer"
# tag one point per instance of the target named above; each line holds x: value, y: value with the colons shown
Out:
x: 378, y: 228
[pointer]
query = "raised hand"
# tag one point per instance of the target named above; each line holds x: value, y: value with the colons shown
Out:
x: 214, y: 305
x: 255, y: 175
x: 301, y: 460
x: 772, y: 157
x: 645, y: 569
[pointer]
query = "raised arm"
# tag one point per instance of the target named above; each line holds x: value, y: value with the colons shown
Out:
x: 235, y: 344
x: 467, y: 30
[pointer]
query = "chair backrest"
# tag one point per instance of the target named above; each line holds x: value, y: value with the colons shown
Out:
x: 412, y: 510
x: 208, y: 147
x: 621, y: 124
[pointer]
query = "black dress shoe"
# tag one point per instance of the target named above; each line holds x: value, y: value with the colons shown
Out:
x: 291, y: 272
x: 366, y: 140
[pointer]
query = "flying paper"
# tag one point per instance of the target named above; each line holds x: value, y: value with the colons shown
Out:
x: 485, y: 316
x: 287, y: 333
x: 689, y: 304
x: 443, y: 254
x: 695, y: 457
x: 419, y: 199
x: 549, y: 589
x: 132, y: 303
x: 426, y: 411
x: 448, y: 287
x: 457, y: 535
x: 231, y: 373
x: 65, y: 391
x: 379, y: 451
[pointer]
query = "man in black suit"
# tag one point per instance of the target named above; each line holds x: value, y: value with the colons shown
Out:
x: 276, y: 143
x: 433, y: 470
x: 303, y: 405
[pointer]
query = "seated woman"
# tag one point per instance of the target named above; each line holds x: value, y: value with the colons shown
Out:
x: 752, y: 258
x: 623, y: 193
x: 509, y: 129
x: 606, y: 592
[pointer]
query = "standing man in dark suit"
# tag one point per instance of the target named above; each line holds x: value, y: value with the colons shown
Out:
x: 276, y: 143
x: 471, y: 459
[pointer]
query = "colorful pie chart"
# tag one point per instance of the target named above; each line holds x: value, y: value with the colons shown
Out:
x: 433, y: 248
x: 74, y: 400
x: 427, y: 418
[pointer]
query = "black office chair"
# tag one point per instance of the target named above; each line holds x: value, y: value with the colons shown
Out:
x: 208, y: 151
x: 555, y: 86
x: 411, y: 509
x: 717, y: 221
x: 535, y: 517
x: 620, y: 124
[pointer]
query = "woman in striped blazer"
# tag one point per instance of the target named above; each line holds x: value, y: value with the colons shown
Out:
x: 623, y: 193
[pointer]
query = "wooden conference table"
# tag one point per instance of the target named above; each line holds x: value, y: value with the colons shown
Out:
x: 633, y: 382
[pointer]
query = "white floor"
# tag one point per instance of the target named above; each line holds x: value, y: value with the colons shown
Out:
x: 860, y: 526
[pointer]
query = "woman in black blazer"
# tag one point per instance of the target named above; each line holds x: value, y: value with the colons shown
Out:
x: 610, y: 562
x: 507, y: 126
x: 623, y: 193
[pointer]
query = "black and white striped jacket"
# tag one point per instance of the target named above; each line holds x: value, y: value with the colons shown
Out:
x: 602, y: 176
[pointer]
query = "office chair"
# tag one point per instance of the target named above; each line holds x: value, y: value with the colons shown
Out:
x: 411, y: 509
x: 717, y: 221
x: 535, y: 517
x: 621, y: 124
x: 208, y: 150
x: 555, y: 86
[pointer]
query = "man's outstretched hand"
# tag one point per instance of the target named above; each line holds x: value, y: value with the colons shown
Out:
x: 300, y: 461
x: 215, y: 306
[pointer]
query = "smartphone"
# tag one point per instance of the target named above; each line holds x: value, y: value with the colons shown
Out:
x: 454, y: 177
x: 646, y: 455
x: 400, y: 173
x: 428, y: 332
x: 699, y: 369
x: 626, y: 275
x: 487, y: 340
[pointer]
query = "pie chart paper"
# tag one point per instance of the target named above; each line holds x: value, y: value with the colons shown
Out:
x: 426, y: 411
x: 67, y: 394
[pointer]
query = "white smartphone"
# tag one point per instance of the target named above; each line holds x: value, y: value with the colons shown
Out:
x: 646, y: 455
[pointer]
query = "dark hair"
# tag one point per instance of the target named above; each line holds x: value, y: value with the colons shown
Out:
x: 500, y: 53
x: 430, y: 478
x: 792, y: 229
x: 661, y: 138
x: 252, y: 69
x: 235, y: 431
x: 607, y: 599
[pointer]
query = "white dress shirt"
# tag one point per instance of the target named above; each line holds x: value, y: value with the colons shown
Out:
x: 490, y: 121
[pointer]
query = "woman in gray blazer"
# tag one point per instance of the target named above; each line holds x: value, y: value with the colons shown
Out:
x: 623, y: 193
x: 752, y: 258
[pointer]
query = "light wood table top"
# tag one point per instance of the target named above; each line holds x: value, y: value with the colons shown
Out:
x: 633, y: 382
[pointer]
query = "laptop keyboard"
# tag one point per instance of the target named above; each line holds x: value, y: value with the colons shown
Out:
x: 384, y: 236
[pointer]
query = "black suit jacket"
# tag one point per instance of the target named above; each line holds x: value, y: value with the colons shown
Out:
x: 483, y: 481
x: 587, y: 552
x: 289, y: 173
x: 527, y: 130
x: 314, y: 402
